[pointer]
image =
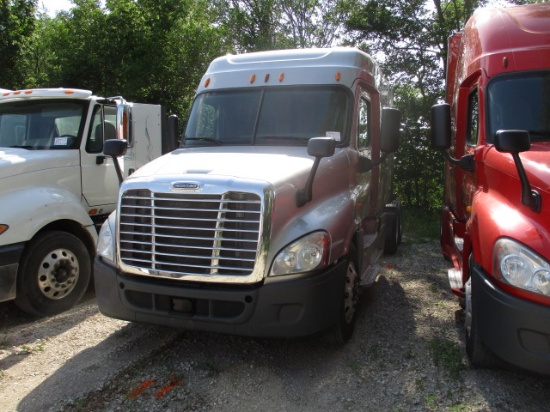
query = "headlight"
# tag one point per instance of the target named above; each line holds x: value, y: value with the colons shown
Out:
x: 521, y: 267
x: 106, y: 241
x: 306, y: 254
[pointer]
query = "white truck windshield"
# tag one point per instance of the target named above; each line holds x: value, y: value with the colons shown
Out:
x: 269, y: 116
x: 40, y: 125
x: 520, y: 102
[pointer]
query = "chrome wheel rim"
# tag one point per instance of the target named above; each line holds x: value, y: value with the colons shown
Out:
x: 58, y: 273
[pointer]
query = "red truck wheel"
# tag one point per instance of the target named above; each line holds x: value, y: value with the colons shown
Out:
x: 476, y: 350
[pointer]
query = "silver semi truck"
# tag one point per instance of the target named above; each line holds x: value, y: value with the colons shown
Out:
x: 272, y: 213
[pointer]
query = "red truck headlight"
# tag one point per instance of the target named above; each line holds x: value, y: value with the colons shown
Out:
x: 521, y: 267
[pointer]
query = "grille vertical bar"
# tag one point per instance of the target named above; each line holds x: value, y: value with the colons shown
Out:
x: 179, y: 234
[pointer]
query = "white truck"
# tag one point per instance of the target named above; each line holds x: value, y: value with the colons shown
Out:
x: 57, y: 187
x: 273, y: 211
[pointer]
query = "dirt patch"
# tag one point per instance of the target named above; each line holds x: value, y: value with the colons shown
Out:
x: 407, y: 354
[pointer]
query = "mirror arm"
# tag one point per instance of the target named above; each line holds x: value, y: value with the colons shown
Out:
x: 530, y: 198
x: 466, y: 162
x: 118, y: 170
x: 304, y: 195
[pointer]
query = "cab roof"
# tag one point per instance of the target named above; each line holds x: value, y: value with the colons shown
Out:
x: 59, y: 93
x: 339, y: 65
x: 509, y: 39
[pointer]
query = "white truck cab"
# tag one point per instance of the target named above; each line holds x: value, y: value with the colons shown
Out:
x: 57, y: 187
x: 273, y: 211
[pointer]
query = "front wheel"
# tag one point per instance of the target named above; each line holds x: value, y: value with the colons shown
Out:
x: 54, y: 273
x: 342, y: 331
x: 478, y: 353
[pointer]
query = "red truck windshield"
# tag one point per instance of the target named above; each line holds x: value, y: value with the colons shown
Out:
x: 269, y: 116
x: 520, y: 102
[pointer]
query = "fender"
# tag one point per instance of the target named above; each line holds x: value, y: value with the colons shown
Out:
x: 330, y: 208
x: 29, y: 209
x: 502, y: 219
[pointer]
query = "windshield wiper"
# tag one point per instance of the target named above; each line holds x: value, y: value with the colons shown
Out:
x: 204, y: 139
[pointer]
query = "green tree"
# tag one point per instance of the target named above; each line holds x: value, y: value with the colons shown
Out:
x: 410, y: 38
x: 16, y: 26
x: 145, y: 50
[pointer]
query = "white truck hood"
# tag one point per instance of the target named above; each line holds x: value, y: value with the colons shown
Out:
x: 15, y: 161
x: 270, y: 164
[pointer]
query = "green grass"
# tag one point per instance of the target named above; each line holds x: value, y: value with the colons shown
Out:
x: 447, y: 354
x: 420, y: 225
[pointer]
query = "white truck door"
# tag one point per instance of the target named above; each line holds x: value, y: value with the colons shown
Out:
x: 99, y: 179
x: 145, y: 143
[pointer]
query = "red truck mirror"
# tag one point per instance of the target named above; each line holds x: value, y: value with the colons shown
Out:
x: 515, y: 142
x: 441, y: 126
x: 512, y: 141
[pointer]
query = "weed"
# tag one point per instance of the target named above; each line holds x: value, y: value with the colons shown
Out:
x: 420, y: 225
x: 431, y: 402
x: 447, y: 354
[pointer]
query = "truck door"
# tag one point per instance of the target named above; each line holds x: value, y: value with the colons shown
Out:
x: 99, y: 179
x: 464, y: 182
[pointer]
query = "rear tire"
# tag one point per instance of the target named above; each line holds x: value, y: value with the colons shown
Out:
x: 54, y: 274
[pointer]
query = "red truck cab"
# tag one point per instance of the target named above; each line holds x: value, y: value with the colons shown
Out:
x: 494, y: 130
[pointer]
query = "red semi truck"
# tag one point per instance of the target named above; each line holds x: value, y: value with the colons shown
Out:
x: 494, y: 130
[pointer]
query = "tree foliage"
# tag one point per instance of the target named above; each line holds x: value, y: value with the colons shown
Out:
x: 411, y: 40
x: 156, y: 51
x: 16, y: 26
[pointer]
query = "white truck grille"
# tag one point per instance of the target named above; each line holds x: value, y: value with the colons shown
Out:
x: 174, y: 234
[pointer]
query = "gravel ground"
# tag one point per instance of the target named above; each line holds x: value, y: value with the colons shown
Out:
x: 407, y: 354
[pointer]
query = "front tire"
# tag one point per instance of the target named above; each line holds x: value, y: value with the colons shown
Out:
x: 478, y: 353
x: 343, y: 330
x: 54, y: 274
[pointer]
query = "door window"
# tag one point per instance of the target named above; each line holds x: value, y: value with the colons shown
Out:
x: 364, y: 127
x: 473, y: 120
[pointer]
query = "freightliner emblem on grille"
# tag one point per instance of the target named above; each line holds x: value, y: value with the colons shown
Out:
x: 186, y: 186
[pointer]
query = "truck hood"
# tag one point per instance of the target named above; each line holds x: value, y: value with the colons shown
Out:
x: 537, y: 165
x: 270, y: 164
x: 15, y: 161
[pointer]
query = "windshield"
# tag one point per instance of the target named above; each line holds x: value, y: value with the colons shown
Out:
x: 40, y: 125
x: 520, y: 102
x: 269, y: 116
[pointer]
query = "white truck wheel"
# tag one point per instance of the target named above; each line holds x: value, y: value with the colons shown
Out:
x: 54, y: 273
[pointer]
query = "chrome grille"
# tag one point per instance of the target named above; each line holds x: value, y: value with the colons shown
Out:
x: 190, y: 234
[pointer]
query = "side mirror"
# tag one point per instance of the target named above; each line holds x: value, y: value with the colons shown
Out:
x: 317, y: 147
x: 115, y: 148
x: 123, y: 122
x: 441, y: 126
x: 171, y: 141
x: 512, y: 141
x: 321, y: 146
x: 515, y: 142
x: 389, y: 136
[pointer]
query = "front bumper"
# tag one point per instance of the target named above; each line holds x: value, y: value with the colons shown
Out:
x: 516, y: 330
x: 9, y: 263
x: 278, y: 308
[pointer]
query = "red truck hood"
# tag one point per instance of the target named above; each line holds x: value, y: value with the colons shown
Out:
x: 536, y: 163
